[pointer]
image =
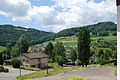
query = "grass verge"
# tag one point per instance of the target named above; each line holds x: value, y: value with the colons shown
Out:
x: 30, y: 68
x: 55, y: 66
x: 43, y: 73
x: 76, y: 78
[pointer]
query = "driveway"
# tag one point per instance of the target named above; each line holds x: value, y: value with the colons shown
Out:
x: 13, y: 73
x: 102, y: 73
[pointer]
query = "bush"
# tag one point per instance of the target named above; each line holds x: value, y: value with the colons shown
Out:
x: 60, y: 60
x: 76, y: 78
x: 16, y: 63
x: 101, y: 61
x: 1, y: 69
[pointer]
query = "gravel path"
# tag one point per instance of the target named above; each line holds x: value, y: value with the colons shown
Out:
x: 90, y: 74
x: 13, y: 73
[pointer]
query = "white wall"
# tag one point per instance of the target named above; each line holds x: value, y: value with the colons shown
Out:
x: 118, y: 42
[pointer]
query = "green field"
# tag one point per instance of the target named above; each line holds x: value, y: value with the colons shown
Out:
x: 72, y: 41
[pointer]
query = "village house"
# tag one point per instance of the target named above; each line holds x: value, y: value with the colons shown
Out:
x: 38, y: 60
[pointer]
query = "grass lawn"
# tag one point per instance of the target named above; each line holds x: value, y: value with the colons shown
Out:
x: 43, y: 73
x: 55, y: 66
x: 76, y: 78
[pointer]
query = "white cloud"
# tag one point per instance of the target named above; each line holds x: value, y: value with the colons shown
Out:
x: 63, y: 14
x: 84, y: 12
x: 21, y: 19
x: 15, y: 8
x: 43, y: 15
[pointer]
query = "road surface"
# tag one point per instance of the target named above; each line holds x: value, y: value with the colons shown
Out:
x: 13, y: 73
x: 102, y: 73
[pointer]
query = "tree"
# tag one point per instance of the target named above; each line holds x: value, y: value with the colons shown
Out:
x: 8, y: 50
x: 84, y: 46
x: 92, y: 57
x: 1, y: 59
x: 73, y: 55
x: 49, y: 49
x: 108, y: 54
x: 100, y: 53
x: 58, y: 50
x: 20, y: 47
x: 15, y: 51
x: 60, y: 60
x: 23, y: 44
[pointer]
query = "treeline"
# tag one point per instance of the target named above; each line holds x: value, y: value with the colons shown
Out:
x: 10, y: 33
x: 100, y: 29
x: 14, y: 51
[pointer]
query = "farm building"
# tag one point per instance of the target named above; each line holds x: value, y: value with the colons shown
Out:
x: 38, y: 60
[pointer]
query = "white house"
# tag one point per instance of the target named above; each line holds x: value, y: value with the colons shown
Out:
x: 38, y: 60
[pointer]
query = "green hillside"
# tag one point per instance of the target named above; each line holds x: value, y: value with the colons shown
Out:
x: 100, y: 29
x: 10, y: 34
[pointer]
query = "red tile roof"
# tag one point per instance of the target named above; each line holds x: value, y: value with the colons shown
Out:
x: 35, y: 55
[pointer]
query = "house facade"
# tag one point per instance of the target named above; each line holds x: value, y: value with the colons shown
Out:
x: 38, y: 60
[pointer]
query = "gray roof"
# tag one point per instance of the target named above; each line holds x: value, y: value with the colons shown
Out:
x: 35, y: 55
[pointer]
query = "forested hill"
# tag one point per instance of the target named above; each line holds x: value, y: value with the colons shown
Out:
x: 10, y: 34
x: 100, y: 29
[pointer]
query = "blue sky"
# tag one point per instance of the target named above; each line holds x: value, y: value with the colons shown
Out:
x: 56, y: 15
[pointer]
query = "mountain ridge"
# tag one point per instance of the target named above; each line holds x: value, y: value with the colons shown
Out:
x: 10, y: 33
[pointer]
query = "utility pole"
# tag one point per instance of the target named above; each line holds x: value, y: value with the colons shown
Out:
x: 47, y: 70
x: 20, y: 57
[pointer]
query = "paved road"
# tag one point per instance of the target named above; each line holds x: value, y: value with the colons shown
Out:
x: 90, y: 74
x: 13, y: 73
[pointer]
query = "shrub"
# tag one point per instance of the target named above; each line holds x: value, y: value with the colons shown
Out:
x: 60, y: 60
x: 1, y: 69
x: 76, y: 78
x: 101, y: 61
x: 16, y: 63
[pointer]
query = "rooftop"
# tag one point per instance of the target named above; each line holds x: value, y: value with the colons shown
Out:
x: 35, y: 55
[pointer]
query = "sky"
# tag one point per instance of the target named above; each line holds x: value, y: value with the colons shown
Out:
x: 56, y: 15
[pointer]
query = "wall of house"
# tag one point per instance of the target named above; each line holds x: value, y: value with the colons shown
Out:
x: 25, y: 61
x: 40, y: 63
x: 34, y: 61
x: 118, y: 42
x: 44, y: 62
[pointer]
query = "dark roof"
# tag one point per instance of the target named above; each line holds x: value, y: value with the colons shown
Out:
x: 118, y: 2
x: 35, y: 55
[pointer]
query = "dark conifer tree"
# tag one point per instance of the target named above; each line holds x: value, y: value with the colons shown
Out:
x: 84, y: 46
